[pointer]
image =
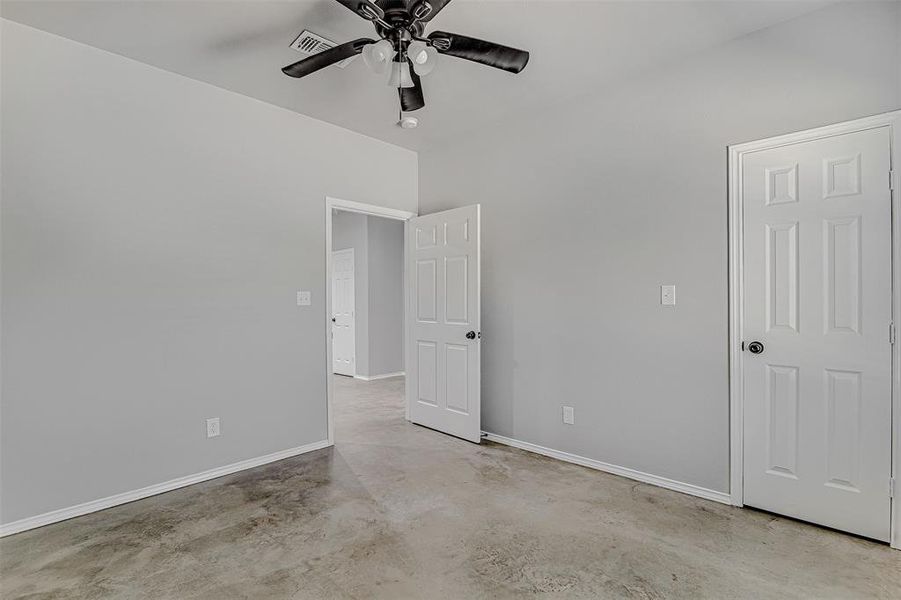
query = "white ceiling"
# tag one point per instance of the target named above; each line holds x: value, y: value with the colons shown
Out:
x: 576, y: 47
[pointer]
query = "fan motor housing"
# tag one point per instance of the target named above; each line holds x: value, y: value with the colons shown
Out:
x: 402, y: 29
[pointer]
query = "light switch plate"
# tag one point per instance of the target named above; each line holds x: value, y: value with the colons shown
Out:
x: 668, y: 295
x: 304, y: 299
x: 212, y: 427
x: 569, y: 417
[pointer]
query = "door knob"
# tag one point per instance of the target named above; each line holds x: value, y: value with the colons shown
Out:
x: 755, y: 347
x: 470, y: 335
x: 333, y: 319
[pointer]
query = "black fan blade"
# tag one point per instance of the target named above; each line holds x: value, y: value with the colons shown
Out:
x: 422, y: 6
x: 480, y: 51
x: 412, y: 98
x: 326, y: 58
x: 371, y: 10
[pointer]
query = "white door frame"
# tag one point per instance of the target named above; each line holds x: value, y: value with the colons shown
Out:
x: 332, y: 204
x: 892, y: 120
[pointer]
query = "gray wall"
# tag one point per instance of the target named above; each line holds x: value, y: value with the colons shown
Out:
x: 378, y: 245
x: 154, y: 232
x: 386, y: 296
x: 587, y: 211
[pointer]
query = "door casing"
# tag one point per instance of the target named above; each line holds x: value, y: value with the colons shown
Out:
x: 332, y: 204
x: 892, y: 120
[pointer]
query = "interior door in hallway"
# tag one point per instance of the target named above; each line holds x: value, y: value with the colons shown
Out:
x: 817, y: 314
x: 343, y: 326
x: 443, y: 378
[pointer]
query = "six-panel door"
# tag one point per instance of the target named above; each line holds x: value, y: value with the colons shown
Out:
x: 343, y: 313
x: 444, y: 376
x: 817, y: 295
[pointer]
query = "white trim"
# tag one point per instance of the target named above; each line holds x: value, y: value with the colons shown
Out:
x: 366, y: 209
x: 408, y: 322
x: 377, y: 377
x: 736, y: 153
x: 369, y: 209
x: 670, y: 484
x: 736, y: 332
x: 152, y: 490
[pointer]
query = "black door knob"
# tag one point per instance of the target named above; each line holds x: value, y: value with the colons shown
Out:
x: 755, y: 347
x: 333, y: 319
x: 470, y: 335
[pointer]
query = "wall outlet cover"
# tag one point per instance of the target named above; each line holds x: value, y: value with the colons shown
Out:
x: 212, y: 427
x: 304, y: 298
x: 668, y: 295
x: 569, y: 417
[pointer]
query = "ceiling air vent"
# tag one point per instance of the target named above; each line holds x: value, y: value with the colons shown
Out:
x: 309, y: 43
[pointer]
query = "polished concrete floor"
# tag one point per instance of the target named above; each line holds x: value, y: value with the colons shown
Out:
x: 399, y: 511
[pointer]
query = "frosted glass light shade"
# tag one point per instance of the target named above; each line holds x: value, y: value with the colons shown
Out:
x: 378, y: 56
x: 400, y: 75
x: 423, y: 57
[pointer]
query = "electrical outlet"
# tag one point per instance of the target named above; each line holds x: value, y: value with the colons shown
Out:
x: 569, y: 417
x: 304, y: 299
x: 668, y: 295
x: 212, y: 427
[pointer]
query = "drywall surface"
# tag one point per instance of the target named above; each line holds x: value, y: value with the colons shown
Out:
x: 386, y: 296
x: 898, y: 38
x: 378, y: 245
x: 350, y: 230
x: 155, y: 230
x: 586, y: 211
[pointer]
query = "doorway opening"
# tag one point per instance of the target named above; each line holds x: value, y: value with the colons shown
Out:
x: 365, y: 308
x: 440, y: 337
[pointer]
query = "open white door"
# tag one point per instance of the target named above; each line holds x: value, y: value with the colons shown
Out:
x: 443, y: 365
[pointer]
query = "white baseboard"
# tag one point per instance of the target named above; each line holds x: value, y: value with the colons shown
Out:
x: 151, y: 490
x: 375, y: 377
x: 670, y: 484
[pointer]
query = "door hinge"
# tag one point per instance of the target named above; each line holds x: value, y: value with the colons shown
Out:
x: 891, y: 180
x: 891, y: 333
x: 891, y: 487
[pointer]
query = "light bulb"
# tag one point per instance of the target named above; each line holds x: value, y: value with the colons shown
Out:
x: 400, y: 75
x: 378, y: 56
x: 423, y: 57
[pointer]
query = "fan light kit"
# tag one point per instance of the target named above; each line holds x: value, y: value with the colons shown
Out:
x: 403, y: 53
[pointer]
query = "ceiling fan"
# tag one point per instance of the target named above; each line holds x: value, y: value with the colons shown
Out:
x: 404, y: 52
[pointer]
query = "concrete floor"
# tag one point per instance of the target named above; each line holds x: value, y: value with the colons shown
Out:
x: 399, y: 511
